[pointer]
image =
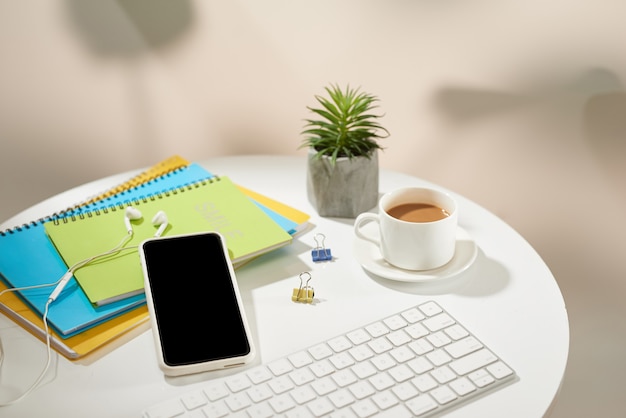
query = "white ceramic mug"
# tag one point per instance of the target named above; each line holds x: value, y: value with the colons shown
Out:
x: 413, y: 245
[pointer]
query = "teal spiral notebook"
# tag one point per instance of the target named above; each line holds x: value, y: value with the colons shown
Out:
x: 27, y: 257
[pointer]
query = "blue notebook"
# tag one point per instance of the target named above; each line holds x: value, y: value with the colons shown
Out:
x: 27, y: 257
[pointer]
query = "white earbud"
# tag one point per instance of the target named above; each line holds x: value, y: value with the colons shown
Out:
x: 131, y: 213
x: 160, y: 220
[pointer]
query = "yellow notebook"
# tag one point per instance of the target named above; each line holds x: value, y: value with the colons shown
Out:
x: 210, y: 205
x: 301, y: 219
x: 81, y: 344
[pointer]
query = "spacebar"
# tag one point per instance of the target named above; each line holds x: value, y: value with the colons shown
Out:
x: 473, y: 361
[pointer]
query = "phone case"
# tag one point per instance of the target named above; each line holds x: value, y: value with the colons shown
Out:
x: 179, y: 370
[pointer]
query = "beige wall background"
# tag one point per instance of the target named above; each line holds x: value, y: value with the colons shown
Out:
x: 518, y: 105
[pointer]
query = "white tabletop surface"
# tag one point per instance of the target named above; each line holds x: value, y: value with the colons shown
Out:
x: 507, y: 297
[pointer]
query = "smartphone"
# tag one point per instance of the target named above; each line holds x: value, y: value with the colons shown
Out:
x: 195, y: 308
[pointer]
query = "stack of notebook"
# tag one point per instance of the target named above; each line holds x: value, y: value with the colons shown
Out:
x: 105, y: 298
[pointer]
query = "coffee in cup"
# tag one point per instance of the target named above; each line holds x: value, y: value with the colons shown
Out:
x: 416, y: 228
x: 418, y: 212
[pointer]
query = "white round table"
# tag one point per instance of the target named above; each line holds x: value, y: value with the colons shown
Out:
x: 507, y: 296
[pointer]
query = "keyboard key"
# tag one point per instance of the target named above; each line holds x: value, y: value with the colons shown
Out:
x: 430, y: 309
x: 322, y: 368
x: 417, y: 331
x: 303, y: 395
x: 342, y: 360
x: 215, y: 391
x: 402, y: 354
x: 401, y: 373
x: 383, y: 362
x: 365, y: 408
x: 443, y: 374
x: 324, y: 386
x: 300, y: 359
x: 421, y: 404
x: 481, y: 378
x: 259, y: 375
x: 344, y: 378
x: 377, y: 329
x: 395, y: 322
x: 439, y: 322
x: 280, y: 367
x: 385, y: 399
x: 361, y: 352
x: 473, y: 361
x: 340, y: 344
x: 420, y: 365
x: 281, y: 384
x: 405, y: 391
x: 216, y: 410
x: 462, y: 386
x: 193, y: 400
x: 421, y: 346
x: 443, y: 394
x: 382, y: 381
x: 456, y: 332
x: 438, y: 357
x: 361, y: 390
x: 364, y: 370
x: 301, y: 376
x: 259, y: 393
x: 341, y: 398
x: 358, y: 336
x: 438, y: 339
x: 260, y: 411
x: 399, y: 338
x: 166, y: 410
x: 320, y: 407
x: 282, y: 403
x: 237, y: 402
x: 380, y: 345
x: 238, y: 383
x: 424, y: 383
x: 320, y: 351
x: 499, y: 370
x: 413, y: 315
x: 463, y: 347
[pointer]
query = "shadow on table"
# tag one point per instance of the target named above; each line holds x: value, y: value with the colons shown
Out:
x: 485, y: 277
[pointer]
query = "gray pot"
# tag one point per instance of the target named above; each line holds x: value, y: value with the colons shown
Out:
x: 345, y: 190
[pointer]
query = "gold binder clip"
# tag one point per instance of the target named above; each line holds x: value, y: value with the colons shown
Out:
x: 304, y: 293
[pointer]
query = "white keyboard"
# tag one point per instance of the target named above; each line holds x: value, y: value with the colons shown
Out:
x: 418, y: 362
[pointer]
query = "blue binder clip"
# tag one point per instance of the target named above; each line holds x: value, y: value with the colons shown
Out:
x: 321, y: 253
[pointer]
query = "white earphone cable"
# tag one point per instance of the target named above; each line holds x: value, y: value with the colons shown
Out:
x: 46, y: 367
x: 60, y: 285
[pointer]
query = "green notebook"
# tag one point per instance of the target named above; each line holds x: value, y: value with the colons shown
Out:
x: 209, y: 205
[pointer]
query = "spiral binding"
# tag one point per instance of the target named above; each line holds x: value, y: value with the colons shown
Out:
x: 67, y: 216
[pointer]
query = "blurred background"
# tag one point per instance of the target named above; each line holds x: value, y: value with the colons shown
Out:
x: 519, y: 106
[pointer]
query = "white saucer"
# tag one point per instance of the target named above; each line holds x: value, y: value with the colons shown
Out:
x: 368, y: 255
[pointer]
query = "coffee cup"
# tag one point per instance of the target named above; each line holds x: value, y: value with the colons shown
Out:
x: 417, y: 228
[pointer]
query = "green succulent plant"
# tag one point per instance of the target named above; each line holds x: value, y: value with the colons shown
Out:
x: 347, y: 127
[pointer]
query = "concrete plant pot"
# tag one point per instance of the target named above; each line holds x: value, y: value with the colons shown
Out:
x: 344, y: 190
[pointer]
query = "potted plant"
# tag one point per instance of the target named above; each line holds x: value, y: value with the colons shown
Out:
x: 342, y: 165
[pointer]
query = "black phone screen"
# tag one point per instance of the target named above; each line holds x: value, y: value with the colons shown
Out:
x: 194, y: 300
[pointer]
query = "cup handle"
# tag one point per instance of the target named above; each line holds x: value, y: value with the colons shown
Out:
x: 364, y: 219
